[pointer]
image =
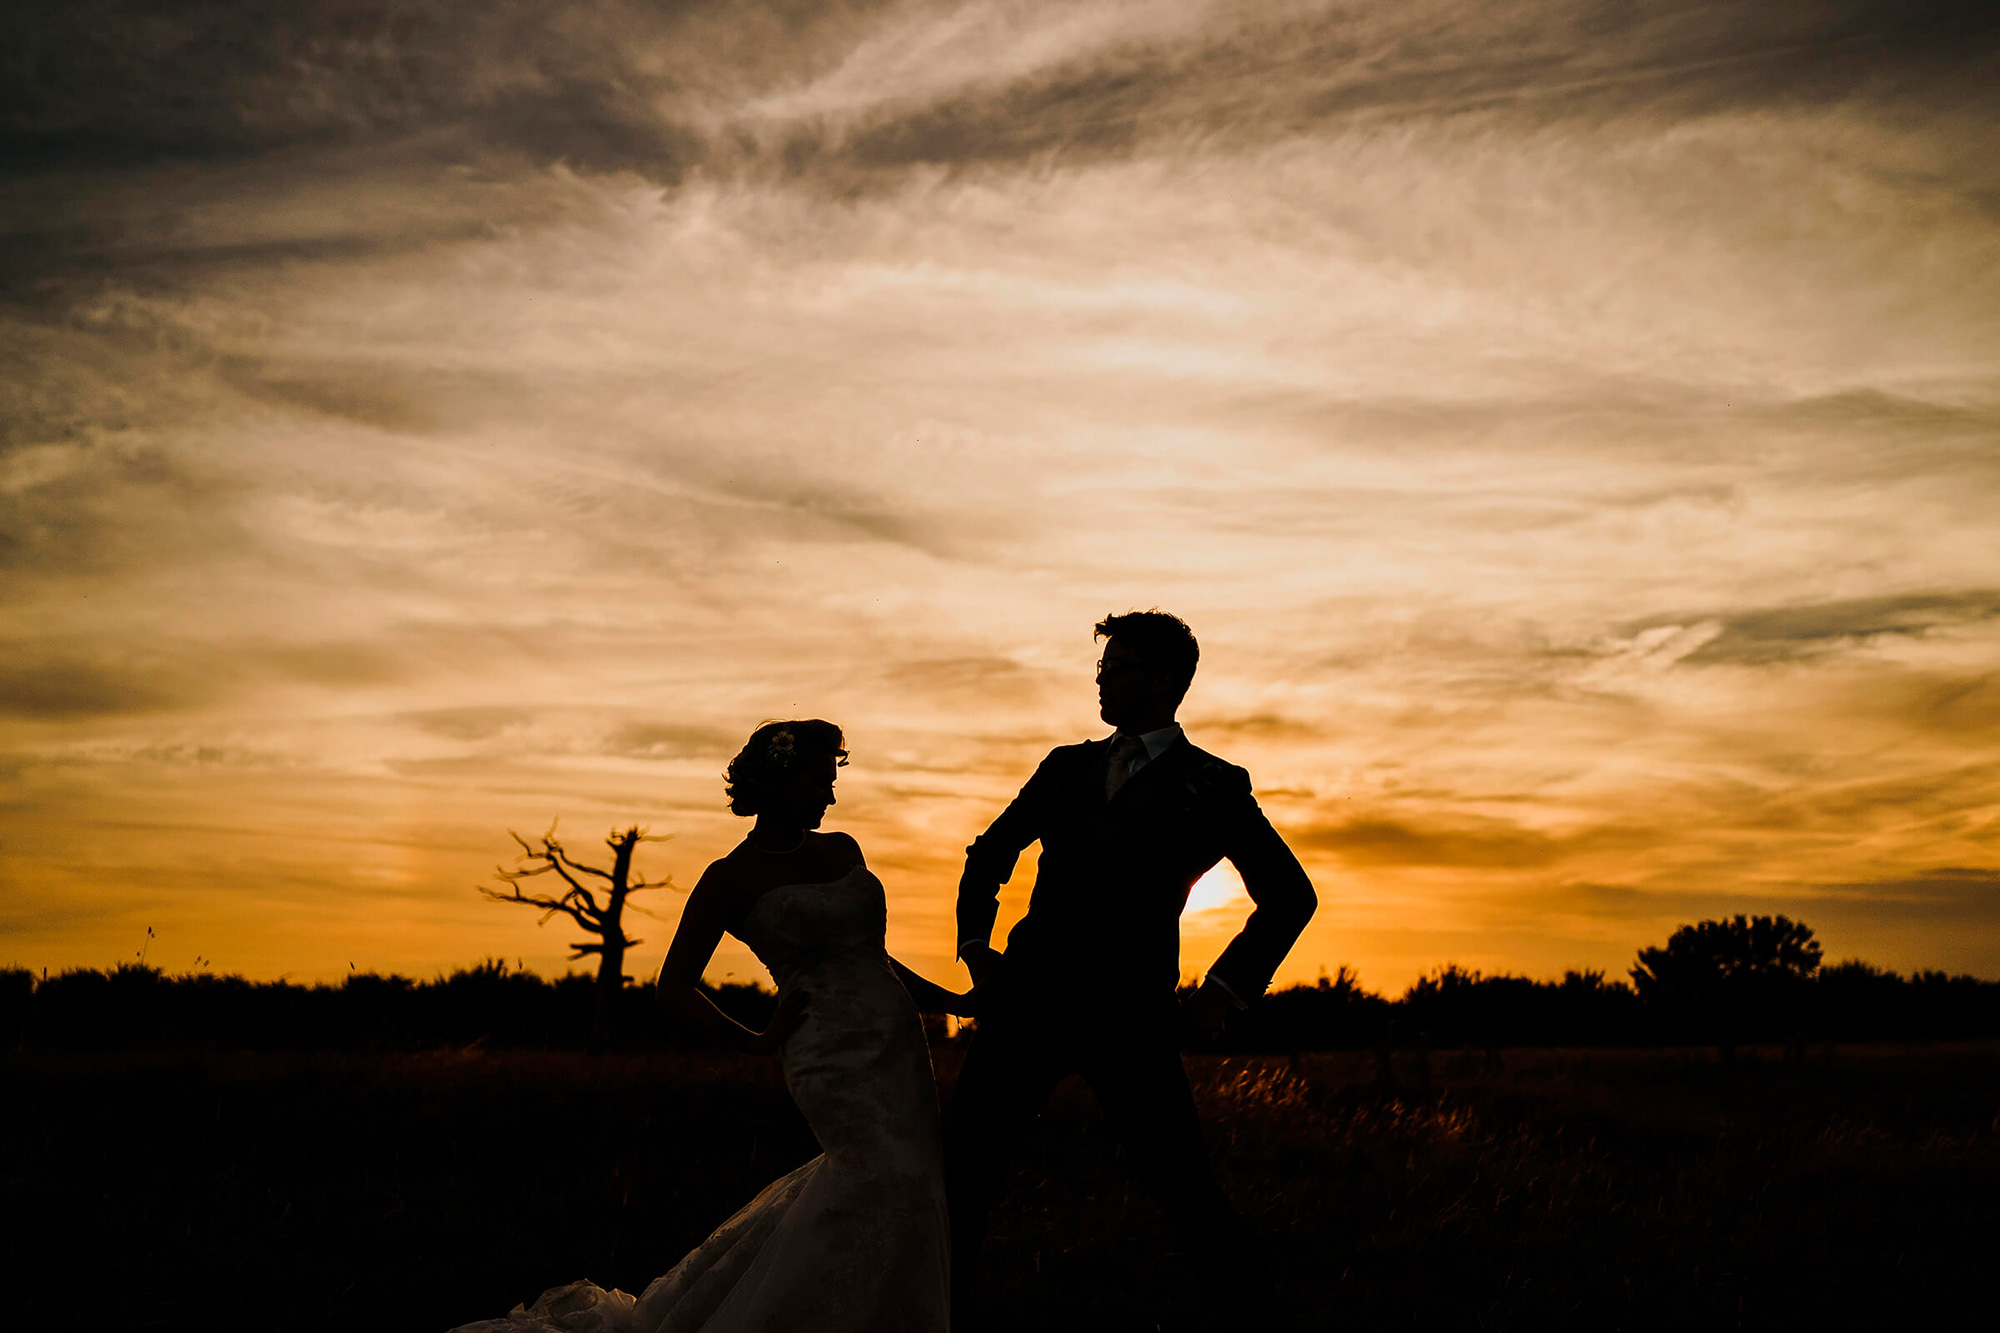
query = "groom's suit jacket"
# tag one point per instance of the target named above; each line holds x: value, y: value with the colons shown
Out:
x: 1104, y: 919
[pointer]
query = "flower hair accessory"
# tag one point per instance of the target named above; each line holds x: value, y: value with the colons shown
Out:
x: 783, y: 746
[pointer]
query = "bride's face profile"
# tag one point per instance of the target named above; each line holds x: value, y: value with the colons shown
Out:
x: 809, y: 790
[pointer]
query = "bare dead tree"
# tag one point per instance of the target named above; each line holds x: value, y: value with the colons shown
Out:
x: 581, y: 903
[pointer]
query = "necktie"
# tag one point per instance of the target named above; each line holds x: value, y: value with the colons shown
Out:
x: 1124, y: 751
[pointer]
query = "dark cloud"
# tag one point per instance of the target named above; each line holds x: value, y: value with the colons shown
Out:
x: 63, y: 916
x: 1257, y: 726
x: 87, y: 485
x: 97, y: 508
x: 1940, y: 798
x: 469, y: 724
x: 1899, y: 413
x: 541, y: 731
x: 1469, y: 842
x: 1961, y: 706
x: 1260, y: 81
x: 1946, y: 895
x: 124, y: 123
x: 143, y: 672
x: 49, y: 683
x: 120, y: 83
x: 382, y: 394
x: 667, y: 740
x: 1621, y: 902
x: 998, y: 680
x: 1962, y: 896
x: 361, y: 398
x: 1765, y: 635
x: 336, y: 663
x: 1868, y: 438
x: 839, y: 511
x: 615, y: 83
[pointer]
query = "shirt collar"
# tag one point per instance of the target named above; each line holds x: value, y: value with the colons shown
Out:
x: 1156, y: 742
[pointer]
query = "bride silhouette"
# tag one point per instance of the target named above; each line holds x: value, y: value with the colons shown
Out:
x: 856, y: 1238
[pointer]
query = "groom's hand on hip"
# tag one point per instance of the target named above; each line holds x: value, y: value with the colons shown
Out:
x: 1204, y: 1012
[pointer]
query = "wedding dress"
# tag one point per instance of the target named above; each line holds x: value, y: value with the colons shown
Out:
x: 856, y: 1238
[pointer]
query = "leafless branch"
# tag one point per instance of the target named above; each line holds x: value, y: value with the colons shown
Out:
x: 597, y: 946
x: 563, y: 857
x: 550, y: 906
x: 589, y: 902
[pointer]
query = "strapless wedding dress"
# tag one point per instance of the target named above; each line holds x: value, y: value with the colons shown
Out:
x: 856, y: 1238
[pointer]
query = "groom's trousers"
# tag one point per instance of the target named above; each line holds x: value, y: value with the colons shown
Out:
x: 1013, y: 1064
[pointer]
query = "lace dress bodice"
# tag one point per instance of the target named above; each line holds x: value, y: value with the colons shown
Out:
x: 795, y: 927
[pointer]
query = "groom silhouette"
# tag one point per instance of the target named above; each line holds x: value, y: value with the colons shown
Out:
x: 1087, y: 984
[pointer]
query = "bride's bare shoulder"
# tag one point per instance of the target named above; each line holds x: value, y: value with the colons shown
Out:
x: 725, y: 873
x: 842, y: 847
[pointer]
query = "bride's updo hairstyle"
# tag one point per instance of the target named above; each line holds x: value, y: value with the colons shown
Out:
x: 764, y: 764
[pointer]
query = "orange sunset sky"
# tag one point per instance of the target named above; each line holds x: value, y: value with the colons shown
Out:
x: 1572, y: 429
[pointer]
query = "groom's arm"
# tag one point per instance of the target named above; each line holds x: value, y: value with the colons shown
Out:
x: 990, y: 860
x: 1277, y: 884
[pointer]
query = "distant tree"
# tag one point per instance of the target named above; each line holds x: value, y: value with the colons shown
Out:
x: 603, y: 919
x: 1730, y: 976
x: 1698, y: 956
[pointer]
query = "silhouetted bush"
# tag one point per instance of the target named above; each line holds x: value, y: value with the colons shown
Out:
x: 133, y: 1007
x: 136, y: 1007
x: 1463, y: 1008
x: 1333, y: 1014
x: 1457, y: 1007
x: 1859, y: 1000
x: 17, y: 993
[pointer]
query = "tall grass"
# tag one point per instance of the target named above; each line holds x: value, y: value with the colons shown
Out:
x: 1632, y: 1189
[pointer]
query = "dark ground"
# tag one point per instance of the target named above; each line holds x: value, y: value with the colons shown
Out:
x: 1532, y: 1190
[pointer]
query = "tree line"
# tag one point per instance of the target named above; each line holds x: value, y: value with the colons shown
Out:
x: 1735, y: 981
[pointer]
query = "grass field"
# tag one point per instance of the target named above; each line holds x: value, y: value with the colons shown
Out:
x: 1527, y: 1190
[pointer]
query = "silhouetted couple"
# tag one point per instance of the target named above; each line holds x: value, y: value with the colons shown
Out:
x: 883, y: 1230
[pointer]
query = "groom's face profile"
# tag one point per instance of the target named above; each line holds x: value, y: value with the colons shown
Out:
x: 1133, y: 694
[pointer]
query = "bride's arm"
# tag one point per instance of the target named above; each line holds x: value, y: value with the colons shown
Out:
x: 931, y: 998
x: 679, y: 989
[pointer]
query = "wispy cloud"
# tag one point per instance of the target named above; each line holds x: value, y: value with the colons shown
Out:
x: 1572, y: 432
x: 1784, y: 633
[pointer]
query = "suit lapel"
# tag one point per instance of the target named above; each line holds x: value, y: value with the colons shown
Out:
x: 1087, y: 780
x: 1139, y: 789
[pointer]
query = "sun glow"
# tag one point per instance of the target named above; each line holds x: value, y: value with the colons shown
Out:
x: 1220, y: 890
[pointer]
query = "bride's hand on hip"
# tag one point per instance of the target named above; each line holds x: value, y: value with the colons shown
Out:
x: 785, y: 1020
x: 982, y: 961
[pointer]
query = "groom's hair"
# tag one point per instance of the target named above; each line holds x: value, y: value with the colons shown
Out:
x: 1164, y: 640
x: 767, y: 758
